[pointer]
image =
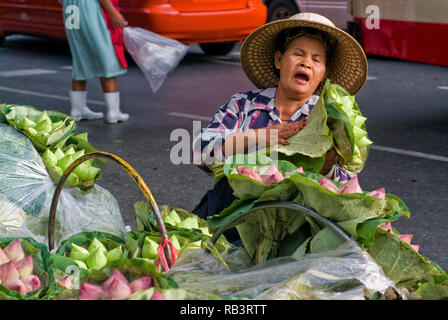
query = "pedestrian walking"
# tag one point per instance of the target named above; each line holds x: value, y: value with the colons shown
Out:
x: 97, y: 50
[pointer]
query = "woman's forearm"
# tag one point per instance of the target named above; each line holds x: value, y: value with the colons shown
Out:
x: 109, y: 7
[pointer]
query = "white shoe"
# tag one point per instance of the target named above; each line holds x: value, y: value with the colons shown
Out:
x: 79, y: 109
x: 113, y: 108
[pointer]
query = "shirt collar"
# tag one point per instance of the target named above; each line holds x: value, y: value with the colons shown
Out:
x: 274, y: 112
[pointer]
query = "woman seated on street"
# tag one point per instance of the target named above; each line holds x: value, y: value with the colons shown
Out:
x: 289, y: 61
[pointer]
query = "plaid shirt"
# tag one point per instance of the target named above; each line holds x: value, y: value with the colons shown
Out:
x: 247, y: 110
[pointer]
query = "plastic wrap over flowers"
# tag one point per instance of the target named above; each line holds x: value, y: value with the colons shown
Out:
x: 346, y: 273
x: 26, y: 192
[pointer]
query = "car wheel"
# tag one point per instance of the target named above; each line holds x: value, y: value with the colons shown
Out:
x: 217, y: 48
x: 281, y: 9
x: 2, y: 40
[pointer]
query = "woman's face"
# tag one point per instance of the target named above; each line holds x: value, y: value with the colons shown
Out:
x: 302, y: 66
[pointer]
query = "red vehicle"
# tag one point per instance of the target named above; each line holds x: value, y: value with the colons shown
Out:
x: 215, y: 24
x: 411, y: 30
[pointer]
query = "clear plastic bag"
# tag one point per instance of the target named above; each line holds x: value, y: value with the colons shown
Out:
x: 26, y: 193
x: 155, y: 55
x: 345, y: 273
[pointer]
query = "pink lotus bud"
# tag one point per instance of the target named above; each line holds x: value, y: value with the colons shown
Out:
x: 415, y: 247
x: 3, y: 257
x: 157, y: 296
x: 275, y: 178
x: 90, y: 291
x: 25, y: 266
x: 14, y: 251
x: 351, y: 186
x: 387, y: 227
x: 299, y: 170
x: 379, y: 194
x: 16, y: 285
x: 8, y: 271
x: 249, y: 173
x: 116, y: 274
x: 140, y: 284
x: 116, y: 290
x: 406, y: 238
x: 32, y: 282
x: 66, y: 282
x: 327, y: 184
x: 271, y: 175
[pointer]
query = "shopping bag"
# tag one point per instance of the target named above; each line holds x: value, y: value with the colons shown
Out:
x: 155, y: 55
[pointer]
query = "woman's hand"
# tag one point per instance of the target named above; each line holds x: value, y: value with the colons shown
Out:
x: 284, y: 131
x: 118, y: 20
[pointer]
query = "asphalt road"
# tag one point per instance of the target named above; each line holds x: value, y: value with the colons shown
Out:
x: 406, y: 105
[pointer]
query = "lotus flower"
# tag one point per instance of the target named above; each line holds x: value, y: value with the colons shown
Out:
x: 25, y: 266
x: 116, y: 274
x: 3, y: 257
x: 271, y: 175
x: 14, y: 251
x: 149, y: 249
x: 140, y: 284
x: 90, y: 291
x: 387, y: 227
x: 96, y: 259
x: 379, y: 194
x: 157, y: 296
x: 114, y: 254
x: 298, y: 170
x: 351, y: 186
x: 66, y: 282
x: 327, y: 184
x: 32, y: 282
x: 78, y: 252
x: 116, y: 290
x: 8, y: 271
x: 189, y: 223
x: 96, y: 244
x: 16, y: 285
x: 81, y: 264
x: 251, y: 174
x: 407, y: 238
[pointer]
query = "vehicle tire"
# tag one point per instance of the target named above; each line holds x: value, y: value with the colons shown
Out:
x: 2, y: 40
x: 281, y: 9
x: 217, y: 48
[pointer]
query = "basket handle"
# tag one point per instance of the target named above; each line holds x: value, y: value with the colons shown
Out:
x: 288, y: 205
x: 137, y: 178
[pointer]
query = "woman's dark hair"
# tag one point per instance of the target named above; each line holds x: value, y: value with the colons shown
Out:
x: 285, y: 37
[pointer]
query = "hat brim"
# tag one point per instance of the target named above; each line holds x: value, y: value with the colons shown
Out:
x: 348, y: 66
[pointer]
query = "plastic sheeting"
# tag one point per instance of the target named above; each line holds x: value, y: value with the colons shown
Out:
x: 26, y: 193
x: 155, y: 55
x: 345, y: 273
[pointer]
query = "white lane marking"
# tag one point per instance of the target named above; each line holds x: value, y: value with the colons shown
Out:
x: 25, y: 72
x: 411, y: 153
x: 371, y: 78
x: 46, y: 95
x: 442, y: 87
x: 189, y: 116
x: 67, y: 67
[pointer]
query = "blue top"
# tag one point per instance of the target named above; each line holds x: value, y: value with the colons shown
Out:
x: 90, y: 42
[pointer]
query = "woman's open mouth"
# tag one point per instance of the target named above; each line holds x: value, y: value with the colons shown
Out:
x: 302, y: 78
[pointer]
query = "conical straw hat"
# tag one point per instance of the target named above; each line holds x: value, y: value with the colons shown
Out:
x: 348, y: 66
